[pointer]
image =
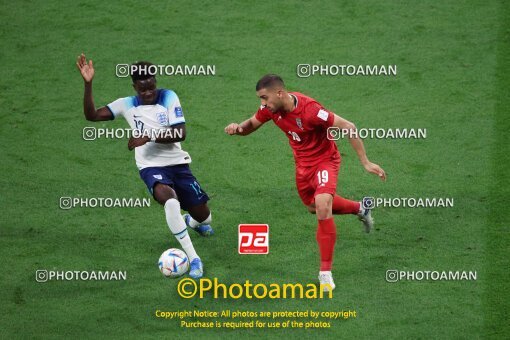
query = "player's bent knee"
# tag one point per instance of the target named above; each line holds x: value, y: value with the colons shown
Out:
x: 163, y: 192
x: 322, y: 212
x: 323, y: 205
x: 200, y: 213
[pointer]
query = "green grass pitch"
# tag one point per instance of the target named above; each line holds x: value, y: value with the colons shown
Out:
x: 453, y: 80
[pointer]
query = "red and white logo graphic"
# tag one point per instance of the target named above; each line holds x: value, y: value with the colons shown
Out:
x: 253, y: 239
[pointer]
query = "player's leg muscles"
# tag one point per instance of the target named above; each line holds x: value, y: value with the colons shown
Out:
x: 323, y: 206
x: 163, y: 192
x: 200, y: 212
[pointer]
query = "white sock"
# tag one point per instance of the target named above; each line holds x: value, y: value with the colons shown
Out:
x: 193, y: 223
x: 178, y: 227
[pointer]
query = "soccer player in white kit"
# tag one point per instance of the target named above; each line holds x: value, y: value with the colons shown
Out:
x: 157, y: 121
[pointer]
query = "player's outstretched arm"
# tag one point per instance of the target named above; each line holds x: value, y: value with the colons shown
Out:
x: 245, y: 128
x: 89, y: 109
x: 357, y: 145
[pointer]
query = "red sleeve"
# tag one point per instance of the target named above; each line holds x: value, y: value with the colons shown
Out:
x: 263, y: 115
x: 318, y: 116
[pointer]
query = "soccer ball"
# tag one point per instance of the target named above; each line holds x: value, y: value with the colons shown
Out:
x: 173, y: 262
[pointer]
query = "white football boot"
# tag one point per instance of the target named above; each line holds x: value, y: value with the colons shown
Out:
x: 365, y: 216
x: 326, y: 280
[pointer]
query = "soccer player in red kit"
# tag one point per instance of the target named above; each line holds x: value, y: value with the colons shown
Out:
x: 305, y: 122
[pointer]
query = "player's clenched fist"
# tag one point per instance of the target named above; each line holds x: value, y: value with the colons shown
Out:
x: 233, y: 129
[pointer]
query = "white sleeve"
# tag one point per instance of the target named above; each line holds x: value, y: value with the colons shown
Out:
x: 120, y: 106
x: 174, y: 109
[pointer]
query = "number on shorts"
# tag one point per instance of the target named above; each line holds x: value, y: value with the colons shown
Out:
x: 323, y: 176
x: 198, y: 190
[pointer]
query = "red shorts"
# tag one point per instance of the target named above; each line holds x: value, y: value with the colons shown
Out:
x: 318, y: 179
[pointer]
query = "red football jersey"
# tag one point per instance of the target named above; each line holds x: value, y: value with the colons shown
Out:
x: 306, y: 127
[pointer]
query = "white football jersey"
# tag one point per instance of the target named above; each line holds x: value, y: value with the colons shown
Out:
x: 166, y: 112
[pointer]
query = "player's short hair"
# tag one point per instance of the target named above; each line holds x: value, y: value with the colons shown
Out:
x: 142, y: 71
x: 269, y: 81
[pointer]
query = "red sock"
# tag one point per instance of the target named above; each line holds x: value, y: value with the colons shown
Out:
x: 326, y: 238
x: 344, y: 206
